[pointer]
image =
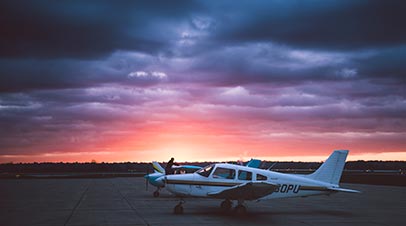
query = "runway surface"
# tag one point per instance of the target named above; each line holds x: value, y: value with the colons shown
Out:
x: 124, y: 201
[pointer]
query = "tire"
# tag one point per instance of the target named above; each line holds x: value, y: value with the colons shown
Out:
x: 178, y: 209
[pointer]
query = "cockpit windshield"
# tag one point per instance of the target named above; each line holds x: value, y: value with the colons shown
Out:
x: 205, y: 171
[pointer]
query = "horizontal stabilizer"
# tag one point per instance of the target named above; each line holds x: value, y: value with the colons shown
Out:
x: 246, y: 191
x: 344, y: 190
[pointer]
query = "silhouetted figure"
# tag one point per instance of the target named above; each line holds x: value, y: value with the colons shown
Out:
x: 168, y: 168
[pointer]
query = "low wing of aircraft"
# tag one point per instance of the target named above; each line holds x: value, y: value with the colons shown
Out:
x: 246, y: 191
x: 241, y: 183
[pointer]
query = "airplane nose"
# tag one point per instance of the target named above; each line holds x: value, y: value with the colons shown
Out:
x: 161, y: 180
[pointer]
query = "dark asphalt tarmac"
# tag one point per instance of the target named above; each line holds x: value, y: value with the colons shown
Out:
x: 124, y: 201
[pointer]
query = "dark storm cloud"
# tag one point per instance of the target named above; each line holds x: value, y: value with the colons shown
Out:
x: 263, y: 63
x: 86, y: 29
x: 316, y: 24
x: 25, y: 74
x: 385, y: 63
x: 42, y: 119
x: 72, y: 44
x: 36, y: 74
x: 68, y: 44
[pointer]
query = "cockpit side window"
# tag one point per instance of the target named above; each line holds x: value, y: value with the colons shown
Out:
x: 261, y: 177
x: 224, y: 173
x: 244, y: 175
x: 205, y: 171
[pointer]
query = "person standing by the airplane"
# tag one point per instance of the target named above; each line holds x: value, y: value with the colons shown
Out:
x: 168, y: 168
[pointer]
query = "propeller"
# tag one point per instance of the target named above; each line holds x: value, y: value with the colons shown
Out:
x: 146, y: 179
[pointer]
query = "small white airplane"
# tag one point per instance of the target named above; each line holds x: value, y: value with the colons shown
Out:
x: 241, y: 183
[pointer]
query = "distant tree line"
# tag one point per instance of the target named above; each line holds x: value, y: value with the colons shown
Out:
x: 47, y: 167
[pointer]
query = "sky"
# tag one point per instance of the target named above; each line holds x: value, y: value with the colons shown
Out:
x: 118, y: 81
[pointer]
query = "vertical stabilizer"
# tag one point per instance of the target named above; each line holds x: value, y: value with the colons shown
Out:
x: 330, y: 171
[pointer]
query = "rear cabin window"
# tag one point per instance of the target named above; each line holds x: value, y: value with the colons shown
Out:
x: 224, y: 173
x: 261, y: 177
x: 244, y: 175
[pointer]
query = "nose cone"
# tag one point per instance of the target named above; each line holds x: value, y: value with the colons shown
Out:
x: 160, y: 181
x: 153, y: 179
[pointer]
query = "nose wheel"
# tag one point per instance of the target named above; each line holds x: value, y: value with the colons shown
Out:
x: 156, y: 192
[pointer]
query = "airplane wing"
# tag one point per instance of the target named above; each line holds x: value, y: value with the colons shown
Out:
x: 246, y: 191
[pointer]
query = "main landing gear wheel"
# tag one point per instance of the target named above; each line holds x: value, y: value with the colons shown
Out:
x: 156, y: 193
x: 226, y: 205
x: 178, y: 209
x: 240, y: 210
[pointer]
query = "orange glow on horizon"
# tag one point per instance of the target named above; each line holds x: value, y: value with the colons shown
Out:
x: 184, y: 156
x: 193, y: 140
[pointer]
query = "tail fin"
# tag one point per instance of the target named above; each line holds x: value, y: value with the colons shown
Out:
x: 330, y: 171
x: 157, y: 167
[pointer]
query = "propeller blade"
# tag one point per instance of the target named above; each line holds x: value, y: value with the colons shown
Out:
x: 146, y: 179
